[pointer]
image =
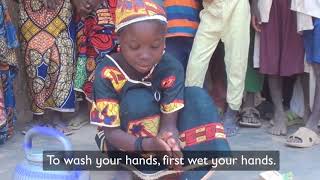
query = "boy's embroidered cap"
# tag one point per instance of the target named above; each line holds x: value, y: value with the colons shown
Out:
x: 132, y: 11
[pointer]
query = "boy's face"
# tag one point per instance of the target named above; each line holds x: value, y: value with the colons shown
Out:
x: 142, y: 44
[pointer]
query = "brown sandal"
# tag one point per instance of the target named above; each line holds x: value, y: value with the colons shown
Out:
x: 250, y: 117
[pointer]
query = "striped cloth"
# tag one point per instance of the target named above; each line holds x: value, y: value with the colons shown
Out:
x: 183, y: 17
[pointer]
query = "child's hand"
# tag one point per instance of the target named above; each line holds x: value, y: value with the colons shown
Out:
x: 171, y: 138
x: 156, y: 144
x: 85, y: 7
x: 255, y: 23
x: 256, y: 17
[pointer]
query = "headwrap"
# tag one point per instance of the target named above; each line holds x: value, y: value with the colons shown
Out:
x: 132, y: 11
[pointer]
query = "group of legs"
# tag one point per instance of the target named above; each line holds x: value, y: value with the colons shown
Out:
x: 277, y: 61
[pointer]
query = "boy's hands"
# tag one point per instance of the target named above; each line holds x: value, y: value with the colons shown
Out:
x: 155, y: 144
x: 171, y: 137
x: 255, y: 23
x: 255, y: 18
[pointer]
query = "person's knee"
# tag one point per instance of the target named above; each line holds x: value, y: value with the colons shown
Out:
x: 199, y: 104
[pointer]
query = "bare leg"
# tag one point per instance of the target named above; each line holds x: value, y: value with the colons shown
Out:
x: 60, y: 124
x: 230, y: 122
x: 249, y: 102
x: 314, y: 118
x: 280, y: 119
x: 305, y: 84
x: 315, y: 115
x: 38, y: 118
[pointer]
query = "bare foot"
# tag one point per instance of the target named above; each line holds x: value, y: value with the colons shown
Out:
x: 280, y: 124
x: 230, y: 122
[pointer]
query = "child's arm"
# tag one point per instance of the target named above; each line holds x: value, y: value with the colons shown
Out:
x: 172, y: 100
x: 168, y: 123
x: 255, y: 15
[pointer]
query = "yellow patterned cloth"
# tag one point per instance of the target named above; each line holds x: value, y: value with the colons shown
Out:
x: 105, y: 112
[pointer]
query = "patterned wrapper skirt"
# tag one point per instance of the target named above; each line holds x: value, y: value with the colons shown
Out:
x: 48, y: 48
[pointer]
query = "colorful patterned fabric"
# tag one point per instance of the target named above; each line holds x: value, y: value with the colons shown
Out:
x: 8, y: 67
x: 8, y: 38
x: 7, y: 78
x: 183, y: 17
x: 48, y: 49
x: 95, y: 37
x: 111, y: 83
x: 129, y: 12
x: 3, y: 117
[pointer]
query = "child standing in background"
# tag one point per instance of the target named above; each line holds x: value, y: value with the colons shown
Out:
x: 95, y: 38
x: 281, y: 51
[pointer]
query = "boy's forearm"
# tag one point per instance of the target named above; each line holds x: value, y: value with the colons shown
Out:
x: 254, y: 7
x: 168, y: 121
x: 120, y: 139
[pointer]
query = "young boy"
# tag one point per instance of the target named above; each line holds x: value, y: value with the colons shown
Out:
x: 140, y: 102
x: 228, y: 20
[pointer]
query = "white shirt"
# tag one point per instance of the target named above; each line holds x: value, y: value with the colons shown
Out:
x: 306, y: 9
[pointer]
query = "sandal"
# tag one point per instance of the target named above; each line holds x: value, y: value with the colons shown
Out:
x: 293, y: 119
x: 250, y: 117
x: 307, y: 137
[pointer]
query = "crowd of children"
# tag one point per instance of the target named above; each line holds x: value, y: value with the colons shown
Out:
x: 141, y: 65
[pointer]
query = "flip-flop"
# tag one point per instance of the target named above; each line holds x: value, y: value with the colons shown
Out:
x: 247, y: 115
x: 293, y: 119
x: 308, y: 138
